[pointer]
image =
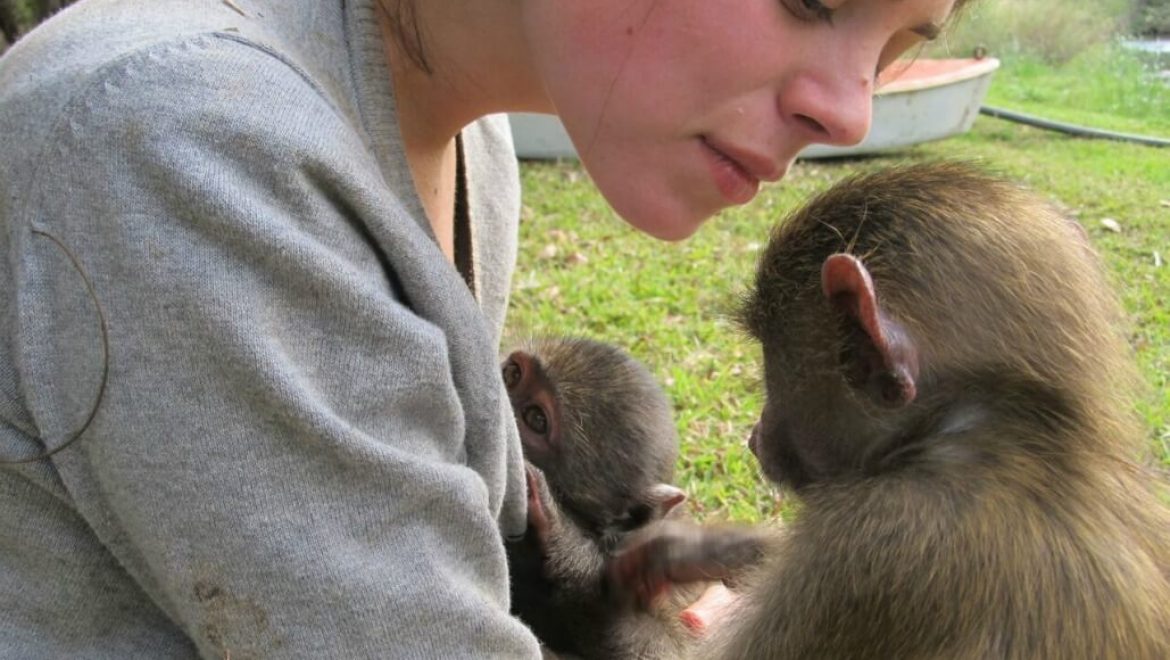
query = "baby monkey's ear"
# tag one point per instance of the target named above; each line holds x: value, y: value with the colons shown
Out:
x: 663, y: 498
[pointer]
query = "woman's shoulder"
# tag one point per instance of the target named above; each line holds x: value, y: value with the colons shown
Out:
x: 158, y: 60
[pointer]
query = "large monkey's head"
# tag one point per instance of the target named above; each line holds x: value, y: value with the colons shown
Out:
x: 915, y: 303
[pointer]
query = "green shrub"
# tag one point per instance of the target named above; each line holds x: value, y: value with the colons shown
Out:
x: 20, y: 16
x: 1152, y: 17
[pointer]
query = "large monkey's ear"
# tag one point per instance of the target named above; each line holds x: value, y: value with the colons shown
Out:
x: 882, y: 357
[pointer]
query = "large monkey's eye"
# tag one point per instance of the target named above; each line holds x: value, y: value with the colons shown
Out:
x: 535, y: 419
x: 511, y: 374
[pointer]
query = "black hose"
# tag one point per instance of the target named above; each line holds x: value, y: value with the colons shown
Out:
x: 1071, y: 129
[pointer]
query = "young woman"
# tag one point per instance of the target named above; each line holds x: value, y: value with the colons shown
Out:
x: 256, y: 261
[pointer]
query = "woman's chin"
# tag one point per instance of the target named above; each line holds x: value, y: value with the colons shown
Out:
x: 668, y: 222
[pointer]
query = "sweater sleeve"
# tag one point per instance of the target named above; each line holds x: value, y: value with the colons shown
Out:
x: 211, y: 265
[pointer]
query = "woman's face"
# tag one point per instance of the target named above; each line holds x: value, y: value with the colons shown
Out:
x: 679, y: 108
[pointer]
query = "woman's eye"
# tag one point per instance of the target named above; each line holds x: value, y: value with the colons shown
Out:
x: 809, y: 10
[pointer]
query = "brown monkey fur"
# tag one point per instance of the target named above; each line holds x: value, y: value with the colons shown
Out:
x: 600, y: 430
x: 598, y: 435
x: 951, y: 399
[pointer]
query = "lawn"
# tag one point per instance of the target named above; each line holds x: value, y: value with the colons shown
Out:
x: 581, y: 271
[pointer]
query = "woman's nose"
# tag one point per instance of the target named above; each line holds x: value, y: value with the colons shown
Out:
x: 828, y: 110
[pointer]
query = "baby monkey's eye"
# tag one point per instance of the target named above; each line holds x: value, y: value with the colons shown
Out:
x: 535, y: 419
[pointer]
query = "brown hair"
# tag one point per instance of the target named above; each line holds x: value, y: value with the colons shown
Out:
x: 408, y: 33
x: 960, y: 6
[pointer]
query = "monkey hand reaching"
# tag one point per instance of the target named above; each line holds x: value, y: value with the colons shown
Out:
x: 673, y: 552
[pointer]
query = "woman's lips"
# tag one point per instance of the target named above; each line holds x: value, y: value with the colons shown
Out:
x: 737, y: 172
x: 735, y: 184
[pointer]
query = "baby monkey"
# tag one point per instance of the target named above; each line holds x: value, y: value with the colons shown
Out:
x: 600, y: 429
x: 599, y: 440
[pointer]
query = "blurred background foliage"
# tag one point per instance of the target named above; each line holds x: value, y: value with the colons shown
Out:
x: 1053, y: 31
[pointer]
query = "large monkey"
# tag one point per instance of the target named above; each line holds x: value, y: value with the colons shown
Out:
x: 950, y: 397
x: 598, y: 435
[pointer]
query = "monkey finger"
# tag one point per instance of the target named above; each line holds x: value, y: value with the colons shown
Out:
x: 538, y: 517
x: 711, y: 608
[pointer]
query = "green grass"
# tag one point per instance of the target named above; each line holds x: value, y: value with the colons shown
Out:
x: 582, y: 271
x: 1124, y: 94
